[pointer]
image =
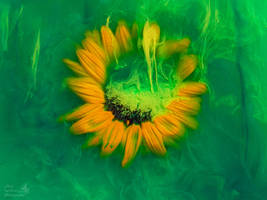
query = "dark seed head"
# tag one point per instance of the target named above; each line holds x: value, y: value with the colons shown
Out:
x: 124, y: 113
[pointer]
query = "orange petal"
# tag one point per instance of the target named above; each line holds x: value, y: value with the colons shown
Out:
x: 89, y: 92
x: 106, y: 136
x: 133, y: 141
x: 94, y: 48
x: 91, y: 99
x: 94, y: 140
x: 110, y: 42
x: 94, y: 121
x: 165, y: 129
x: 94, y: 35
x: 187, y: 120
x: 84, y: 83
x: 82, y: 111
x: 93, y: 65
x: 76, y: 67
x: 186, y: 66
x: 189, y: 105
x: 171, y: 47
x: 81, y: 81
x: 134, y: 31
x: 123, y: 37
x: 192, y: 89
x: 153, y: 138
x: 168, y: 125
x: 112, y: 139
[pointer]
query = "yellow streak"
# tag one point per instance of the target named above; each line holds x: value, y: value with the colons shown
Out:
x: 35, y: 57
x: 35, y: 60
x: 151, y: 34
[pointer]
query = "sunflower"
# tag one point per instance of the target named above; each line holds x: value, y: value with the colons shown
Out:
x: 151, y: 106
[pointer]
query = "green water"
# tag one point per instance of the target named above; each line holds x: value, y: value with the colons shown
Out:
x: 224, y: 159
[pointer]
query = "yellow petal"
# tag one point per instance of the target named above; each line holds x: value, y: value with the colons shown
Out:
x: 133, y: 141
x: 93, y: 65
x: 82, y: 111
x: 186, y: 66
x: 110, y: 42
x: 123, y: 37
x: 94, y: 48
x: 76, y: 67
x: 189, y: 105
x: 192, y: 89
x: 153, y: 138
x: 112, y: 138
x: 171, y: 47
x: 94, y: 35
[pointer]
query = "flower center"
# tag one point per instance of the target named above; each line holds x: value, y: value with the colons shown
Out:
x: 125, y: 113
x: 128, y: 92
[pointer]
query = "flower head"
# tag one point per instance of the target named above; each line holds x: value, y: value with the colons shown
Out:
x: 136, y: 88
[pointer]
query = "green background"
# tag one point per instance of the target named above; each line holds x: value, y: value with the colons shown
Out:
x: 225, y: 159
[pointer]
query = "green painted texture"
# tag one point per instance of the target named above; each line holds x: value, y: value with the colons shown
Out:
x: 224, y: 159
